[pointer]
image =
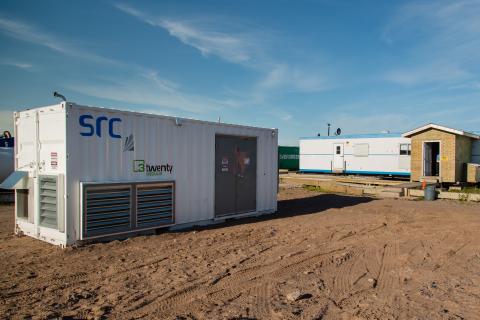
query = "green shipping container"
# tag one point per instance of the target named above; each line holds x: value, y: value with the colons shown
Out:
x: 288, y: 158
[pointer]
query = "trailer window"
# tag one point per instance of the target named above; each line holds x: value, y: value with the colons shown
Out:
x: 361, y: 150
x: 338, y: 150
x: 405, y: 149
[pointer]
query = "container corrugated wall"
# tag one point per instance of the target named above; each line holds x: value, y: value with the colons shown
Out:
x: 189, y: 148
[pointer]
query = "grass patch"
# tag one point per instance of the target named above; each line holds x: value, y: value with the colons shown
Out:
x: 314, y: 188
x: 474, y: 190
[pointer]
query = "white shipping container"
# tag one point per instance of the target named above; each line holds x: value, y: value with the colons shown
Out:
x: 86, y: 172
x: 369, y: 154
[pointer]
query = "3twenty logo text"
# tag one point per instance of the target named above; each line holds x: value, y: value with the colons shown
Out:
x: 151, y: 170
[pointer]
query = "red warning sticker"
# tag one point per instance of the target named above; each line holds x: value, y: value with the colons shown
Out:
x: 54, y: 160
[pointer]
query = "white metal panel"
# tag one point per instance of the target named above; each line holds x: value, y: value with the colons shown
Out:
x: 25, y: 140
x: 159, y: 141
x: 316, y: 155
x: 51, y: 140
x: 37, y: 133
x: 404, y: 162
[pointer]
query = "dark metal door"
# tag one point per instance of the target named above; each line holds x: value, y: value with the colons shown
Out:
x: 224, y: 175
x: 246, y: 175
x: 235, y: 175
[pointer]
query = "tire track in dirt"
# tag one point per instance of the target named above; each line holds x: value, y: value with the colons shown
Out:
x: 388, y: 280
x: 73, y: 279
x: 350, y: 273
x: 316, y: 311
x: 40, y: 283
x: 262, y: 293
x: 449, y: 259
x: 230, y: 286
x: 373, y: 259
x: 240, y: 281
x: 131, y: 275
x: 341, y: 274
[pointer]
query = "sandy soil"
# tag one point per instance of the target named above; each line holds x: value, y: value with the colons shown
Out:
x: 321, y: 257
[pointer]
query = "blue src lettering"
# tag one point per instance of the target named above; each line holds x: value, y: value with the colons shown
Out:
x: 92, y: 129
x: 84, y: 124
x: 110, y: 128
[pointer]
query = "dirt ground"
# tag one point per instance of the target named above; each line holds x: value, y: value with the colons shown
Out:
x: 322, y: 256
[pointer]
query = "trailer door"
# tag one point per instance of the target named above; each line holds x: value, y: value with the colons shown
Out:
x: 338, y: 163
x: 235, y: 175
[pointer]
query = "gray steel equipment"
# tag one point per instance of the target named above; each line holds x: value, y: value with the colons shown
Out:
x: 235, y: 175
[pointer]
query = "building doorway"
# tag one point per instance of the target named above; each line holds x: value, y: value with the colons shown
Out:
x: 431, y: 159
x: 338, y: 164
x: 235, y: 175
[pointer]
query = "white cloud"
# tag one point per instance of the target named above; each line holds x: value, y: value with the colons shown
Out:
x: 441, y: 41
x: 149, y: 90
x: 375, y: 115
x: 17, y: 64
x: 293, y: 79
x: 429, y: 73
x: 26, y: 32
x: 371, y: 123
x: 243, y: 45
x: 281, y: 114
x: 475, y: 85
x: 141, y: 87
x: 230, y: 46
x: 163, y: 84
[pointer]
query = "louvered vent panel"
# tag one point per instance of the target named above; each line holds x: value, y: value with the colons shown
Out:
x: 48, y: 202
x: 154, y: 206
x: 106, y: 210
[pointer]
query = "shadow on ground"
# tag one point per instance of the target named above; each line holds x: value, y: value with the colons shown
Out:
x: 317, y: 203
x: 293, y: 207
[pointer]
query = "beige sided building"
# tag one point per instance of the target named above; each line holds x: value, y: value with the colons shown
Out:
x: 444, y: 154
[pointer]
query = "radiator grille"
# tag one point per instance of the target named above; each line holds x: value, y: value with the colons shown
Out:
x: 48, y: 202
x: 107, y: 210
x: 154, y: 205
x: 121, y: 207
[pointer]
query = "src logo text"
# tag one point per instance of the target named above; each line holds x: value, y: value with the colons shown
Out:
x: 94, y: 126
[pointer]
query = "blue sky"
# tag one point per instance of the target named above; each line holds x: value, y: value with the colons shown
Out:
x: 364, y: 66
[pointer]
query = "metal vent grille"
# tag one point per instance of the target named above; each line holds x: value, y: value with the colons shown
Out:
x: 48, y: 202
x: 154, y: 205
x: 122, y: 207
x: 107, y: 210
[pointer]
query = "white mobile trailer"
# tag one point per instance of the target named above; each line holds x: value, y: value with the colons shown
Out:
x: 86, y: 172
x: 370, y: 154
